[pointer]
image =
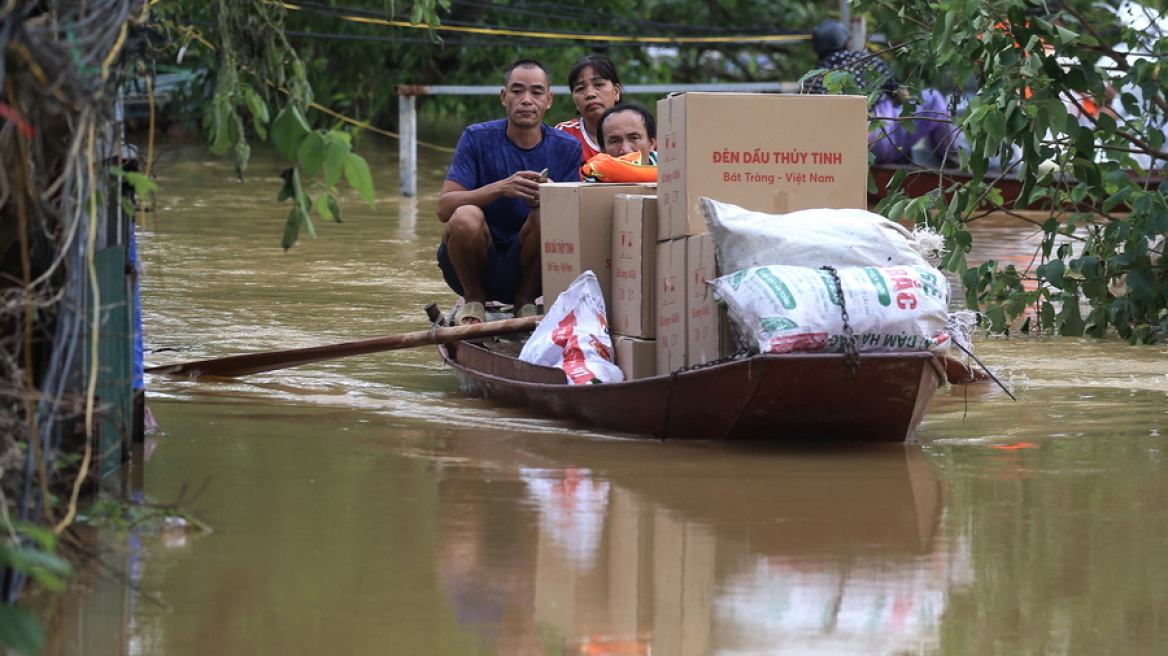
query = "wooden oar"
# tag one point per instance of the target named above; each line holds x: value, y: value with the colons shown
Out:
x: 253, y: 363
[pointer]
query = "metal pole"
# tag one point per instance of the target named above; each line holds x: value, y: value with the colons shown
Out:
x: 407, y: 125
x: 846, y: 19
x: 859, y: 31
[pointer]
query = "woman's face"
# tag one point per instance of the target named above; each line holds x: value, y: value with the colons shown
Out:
x: 594, y: 94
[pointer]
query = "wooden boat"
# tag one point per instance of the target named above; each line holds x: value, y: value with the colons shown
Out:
x: 806, y: 396
x: 920, y: 181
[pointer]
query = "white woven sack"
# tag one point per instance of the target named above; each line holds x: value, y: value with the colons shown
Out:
x: 781, y: 309
x: 573, y: 335
x: 810, y: 238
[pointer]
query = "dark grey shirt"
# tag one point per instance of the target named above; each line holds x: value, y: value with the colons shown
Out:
x: 870, y: 72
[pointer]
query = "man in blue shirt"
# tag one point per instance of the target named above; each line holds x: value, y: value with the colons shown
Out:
x: 490, y: 200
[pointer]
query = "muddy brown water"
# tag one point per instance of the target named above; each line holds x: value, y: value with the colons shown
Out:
x: 364, y: 506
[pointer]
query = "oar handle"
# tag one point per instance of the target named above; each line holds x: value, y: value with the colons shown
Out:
x: 252, y: 363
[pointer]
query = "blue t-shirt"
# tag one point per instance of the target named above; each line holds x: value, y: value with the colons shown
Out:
x: 485, y: 154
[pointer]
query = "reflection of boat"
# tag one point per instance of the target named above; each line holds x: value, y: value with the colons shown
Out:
x: 882, y: 500
x: 704, y: 548
x: 919, y: 181
x: 765, y: 397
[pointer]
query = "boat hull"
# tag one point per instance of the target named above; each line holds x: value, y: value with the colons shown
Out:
x: 805, y: 396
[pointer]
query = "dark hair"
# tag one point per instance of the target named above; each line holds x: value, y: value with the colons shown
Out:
x: 526, y: 63
x: 830, y: 35
x: 646, y: 116
x: 600, y: 64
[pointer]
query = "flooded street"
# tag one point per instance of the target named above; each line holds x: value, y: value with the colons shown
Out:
x: 365, y: 506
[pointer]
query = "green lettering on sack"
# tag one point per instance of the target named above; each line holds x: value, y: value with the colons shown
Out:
x: 778, y: 288
x: 777, y: 324
x: 736, y: 280
x: 882, y: 293
x: 930, y: 284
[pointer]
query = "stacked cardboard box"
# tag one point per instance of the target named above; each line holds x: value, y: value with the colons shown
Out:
x: 765, y: 152
x: 768, y: 153
x: 652, y: 255
x: 659, y: 295
x: 576, y: 229
x: 632, y: 307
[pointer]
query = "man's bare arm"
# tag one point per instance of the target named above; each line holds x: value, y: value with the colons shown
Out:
x: 524, y: 184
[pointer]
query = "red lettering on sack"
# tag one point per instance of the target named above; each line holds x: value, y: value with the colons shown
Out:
x: 801, y: 342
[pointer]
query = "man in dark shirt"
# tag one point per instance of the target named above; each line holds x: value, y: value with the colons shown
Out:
x: 489, y: 202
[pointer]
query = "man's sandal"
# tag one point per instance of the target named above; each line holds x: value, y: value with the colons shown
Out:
x: 471, y: 312
x: 527, y: 310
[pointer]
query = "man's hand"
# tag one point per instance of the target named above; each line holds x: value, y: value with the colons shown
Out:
x: 524, y: 184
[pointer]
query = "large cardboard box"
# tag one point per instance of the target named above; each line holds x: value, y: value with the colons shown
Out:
x: 576, y: 230
x: 765, y: 152
x: 691, y: 328
x: 703, y: 329
x: 633, y: 306
x: 670, y: 282
x: 637, y: 358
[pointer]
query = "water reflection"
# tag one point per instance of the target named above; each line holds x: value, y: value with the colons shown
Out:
x: 408, y: 212
x: 619, y: 547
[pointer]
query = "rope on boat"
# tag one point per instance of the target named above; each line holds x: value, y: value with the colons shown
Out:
x: 985, y: 369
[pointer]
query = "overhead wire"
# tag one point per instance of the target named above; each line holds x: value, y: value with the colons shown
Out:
x: 369, y: 38
x: 568, y: 35
x: 572, y: 14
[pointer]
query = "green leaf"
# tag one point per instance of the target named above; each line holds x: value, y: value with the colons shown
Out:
x: 358, y: 176
x: 1088, y: 265
x: 1115, y: 199
x: 323, y: 208
x: 336, y: 152
x: 1046, y: 313
x: 1070, y: 320
x: 291, y: 228
x: 334, y: 207
x: 286, y: 191
x: 46, y: 568
x: 221, y: 126
x: 298, y: 195
x: 242, y: 155
x: 1056, y: 112
x: 259, y: 111
x: 306, y: 221
x: 310, y: 154
x: 997, y: 317
x: 289, y: 128
x: 1053, y: 273
x: 995, y: 125
x: 142, y: 184
x: 1142, y: 283
x: 21, y: 630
